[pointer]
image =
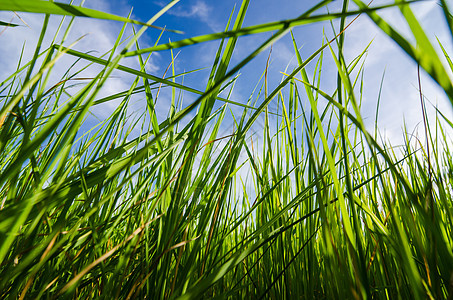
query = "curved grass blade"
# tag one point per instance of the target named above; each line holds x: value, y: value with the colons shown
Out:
x: 262, y: 28
x: 57, y: 8
x: 423, y: 53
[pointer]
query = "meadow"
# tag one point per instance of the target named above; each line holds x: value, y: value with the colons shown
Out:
x: 328, y: 208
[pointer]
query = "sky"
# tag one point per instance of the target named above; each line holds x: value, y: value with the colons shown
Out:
x: 400, y: 99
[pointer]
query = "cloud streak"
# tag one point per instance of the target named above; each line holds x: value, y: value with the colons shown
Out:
x: 198, y: 10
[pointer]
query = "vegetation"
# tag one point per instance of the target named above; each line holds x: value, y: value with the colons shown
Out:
x: 328, y: 209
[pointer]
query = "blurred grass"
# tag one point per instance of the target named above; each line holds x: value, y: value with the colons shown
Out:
x: 326, y: 210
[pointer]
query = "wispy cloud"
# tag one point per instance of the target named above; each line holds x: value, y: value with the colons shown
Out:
x: 199, y: 10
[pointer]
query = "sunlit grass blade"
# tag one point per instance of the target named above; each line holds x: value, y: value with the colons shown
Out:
x: 262, y: 28
x: 58, y: 8
x: 423, y: 53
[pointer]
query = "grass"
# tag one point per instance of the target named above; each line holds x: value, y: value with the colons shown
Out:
x: 328, y: 209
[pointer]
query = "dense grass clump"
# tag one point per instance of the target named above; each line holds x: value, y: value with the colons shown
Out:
x: 328, y: 209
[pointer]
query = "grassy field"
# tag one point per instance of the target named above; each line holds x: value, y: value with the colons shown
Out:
x: 329, y: 210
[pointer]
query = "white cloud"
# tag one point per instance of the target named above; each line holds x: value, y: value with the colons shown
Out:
x: 400, y: 99
x: 99, y: 37
x: 198, y: 10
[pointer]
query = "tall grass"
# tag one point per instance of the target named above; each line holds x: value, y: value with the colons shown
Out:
x: 327, y: 209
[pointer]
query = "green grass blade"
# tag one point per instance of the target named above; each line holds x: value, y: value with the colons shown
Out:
x: 57, y: 8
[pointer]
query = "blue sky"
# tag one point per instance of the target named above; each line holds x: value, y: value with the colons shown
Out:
x: 399, y: 102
